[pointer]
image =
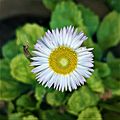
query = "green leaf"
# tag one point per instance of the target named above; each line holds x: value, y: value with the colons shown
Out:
x: 90, y: 114
x: 25, y: 102
x: 114, y: 66
x: 55, y: 98
x: 40, y: 92
x: 10, y: 107
x: 28, y: 35
x: 109, y: 31
x: 61, y: 18
x: 4, y: 70
x: 112, y: 107
x: 55, y: 115
x: 10, y: 50
x: 95, y: 82
x: 110, y: 57
x: 97, y: 51
x: 21, y: 116
x: 3, y: 117
x: 81, y: 99
x: 50, y: 4
x: 15, y: 116
x: 21, y: 70
x: 30, y: 117
x: 103, y: 69
x: 110, y: 115
x: 9, y: 90
x: 90, y: 20
x: 113, y: 85
x: 114, y: 4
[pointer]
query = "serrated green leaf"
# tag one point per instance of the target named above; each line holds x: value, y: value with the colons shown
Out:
x: 10, y: 50
x: 81, y: 99
x: 90, y: 114
x: 95, y: 82
x: 30, y: 117
x: 55, y: 98
x: 25, y: 102
x: 113, y: 85
x: 55, y: 115
x: 90, y: 20
x: 109, y: 31
x: 21, y: 70
x: 28, y: 35
x: 103, y: 69
x: 61, y: 18
x: 114, y: 4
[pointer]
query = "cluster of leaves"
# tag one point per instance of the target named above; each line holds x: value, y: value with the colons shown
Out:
x: 25, y: 99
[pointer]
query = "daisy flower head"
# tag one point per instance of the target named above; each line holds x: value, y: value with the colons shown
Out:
x: 60, y: 61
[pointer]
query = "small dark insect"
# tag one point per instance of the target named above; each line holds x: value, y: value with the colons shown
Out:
x: 26, y: 52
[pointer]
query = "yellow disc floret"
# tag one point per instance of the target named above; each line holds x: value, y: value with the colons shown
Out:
x: 63, y: 60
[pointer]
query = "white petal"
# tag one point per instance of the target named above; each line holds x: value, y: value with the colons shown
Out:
x: 42, y: 73
x: 41, y: 59
x: 80, y: 77
x: 70, y: 36
x: 83, y: 49
x: 78, y: 40
x: 83, y: 72
x: 37, y: 63
x: 61, y: 84
x: 65, y: 82
x: 73, y: 85
x: 47, y: 77
x: 51, y: 81
x: 48, y: 43
x: 86, y: 64
x: 40, y: 54
x: 40, y: 68
x: 41, y: 47
x: 52, y: 37
x: 87, y: 56
x: 84, y: 53
x: 69, y: 85
x: 56, y: 82
x: 76, y: 78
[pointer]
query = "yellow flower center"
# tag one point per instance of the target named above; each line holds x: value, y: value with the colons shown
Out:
x: 63, y: 60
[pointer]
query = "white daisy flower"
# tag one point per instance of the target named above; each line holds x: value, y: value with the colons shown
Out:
x: 60, y: 61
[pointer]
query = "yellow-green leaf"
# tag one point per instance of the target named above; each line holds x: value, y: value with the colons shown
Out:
x: 90, y: 114
x: 81, y: 99
x: 21, y: 70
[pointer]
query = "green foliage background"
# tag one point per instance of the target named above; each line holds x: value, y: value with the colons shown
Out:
x: 24, y: 99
